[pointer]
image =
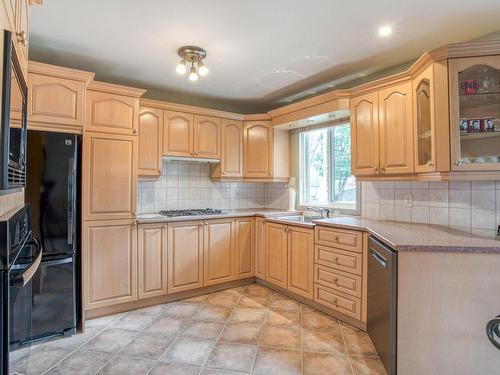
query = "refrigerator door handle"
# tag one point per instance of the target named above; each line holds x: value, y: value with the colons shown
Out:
x: 71, y: 200
x: 30, y: 272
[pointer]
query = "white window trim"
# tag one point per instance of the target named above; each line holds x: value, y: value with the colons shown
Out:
x: 340, y: 207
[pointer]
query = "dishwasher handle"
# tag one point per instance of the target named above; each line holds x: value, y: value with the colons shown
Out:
x: 379, y: 258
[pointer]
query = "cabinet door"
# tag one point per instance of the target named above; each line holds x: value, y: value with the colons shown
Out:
x: 111, y: 113
x: 258, y: 150
x: 300, y: 261
x: 56, y: 100
x: 109, y: 176
x: 109, y: 262
x: 260, y: 248
x: 231, y: 161
x: 185, y: 256
x: 277, y: 254
x: 218, y: 251
x: 245, y: 247
x: 178, y: 134
x: 207, y: 137
x: 152, y: 260
x: 150, y: 142
x: 364, y: 134
x: 396, y: 129
x: 424, y: 133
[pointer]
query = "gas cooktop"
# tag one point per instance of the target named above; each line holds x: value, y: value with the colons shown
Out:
x: 193, y: 212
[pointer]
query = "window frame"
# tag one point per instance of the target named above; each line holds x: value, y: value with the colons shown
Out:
x: 304, y: 175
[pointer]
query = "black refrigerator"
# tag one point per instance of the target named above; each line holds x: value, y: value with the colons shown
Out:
x: 52, y: 189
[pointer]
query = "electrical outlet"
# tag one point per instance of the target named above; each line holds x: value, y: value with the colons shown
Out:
x: 408, y: 201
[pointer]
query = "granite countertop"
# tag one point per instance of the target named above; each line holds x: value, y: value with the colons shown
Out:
x: 261, y: 212
x: 417, y: 237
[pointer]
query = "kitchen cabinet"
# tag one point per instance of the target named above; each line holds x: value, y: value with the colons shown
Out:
x: 152, y: 260
x: 109, y: 176
x: 109, y: 262
x: 178, y: 134
x: 231, y: 157
x: 475, y: 113
x: 245, y: 247
x: 276, y: 254
x: 206, y: 137
x: 300, y: 260
x: 260, y: 248
x: 365, y: 134
x: 218, y: 251
x: 396, y: 129
x: 112, y: 108
x: 150, y: 142
x: 185, y: 256
x: 56, y: 97
x: 266, y: 152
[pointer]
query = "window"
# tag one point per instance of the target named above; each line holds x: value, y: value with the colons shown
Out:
x: 325, y: 170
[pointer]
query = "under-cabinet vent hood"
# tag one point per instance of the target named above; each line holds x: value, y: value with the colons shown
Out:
x: 185, y: 158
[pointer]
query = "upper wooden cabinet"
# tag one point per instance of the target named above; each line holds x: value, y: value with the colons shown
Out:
x: 206, y: 137
x: 245, y: 247
x: 231, y: 158
x: 185, y: 256
x: 218, y: 251
x: 152, y: 260
x: 112, y: 108
x: 178, y: 134
x: 396, y: 129
x: 109, y: 176
x: 475, y: 113
x: 150, y: 142
x: 365, y: 134
x: 56, y: 97
x: 266, y: 152
x: 382, y: 131
x: 109, y: 262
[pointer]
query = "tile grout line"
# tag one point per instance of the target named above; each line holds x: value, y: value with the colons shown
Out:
x: 345, y: 346
x: 302, y: 338
x: 261, y: 330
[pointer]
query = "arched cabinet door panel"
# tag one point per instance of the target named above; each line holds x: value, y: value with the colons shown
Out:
x: 258, y: 150
x: 150, y: 142
x: 178, y: 134
x: 207, y: 137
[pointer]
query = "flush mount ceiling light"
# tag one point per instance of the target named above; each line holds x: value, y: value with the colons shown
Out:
x: 385, y: 31
x: 192, y: 57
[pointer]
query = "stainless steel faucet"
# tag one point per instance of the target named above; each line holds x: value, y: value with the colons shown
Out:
x: 324, y: 212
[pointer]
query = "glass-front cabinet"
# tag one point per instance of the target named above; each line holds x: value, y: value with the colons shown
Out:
x: 424, y: 121
x: 475, y: 113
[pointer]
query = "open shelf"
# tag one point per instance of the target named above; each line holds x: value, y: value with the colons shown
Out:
x: 479, y: 135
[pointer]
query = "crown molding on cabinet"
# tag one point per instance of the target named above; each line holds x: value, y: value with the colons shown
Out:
x: 257, y: 117
x: 60, y: 72
x: 476, y: 49
x: 116, y: 89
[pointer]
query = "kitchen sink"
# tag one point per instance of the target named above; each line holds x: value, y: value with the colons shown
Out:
x: 300, y: 218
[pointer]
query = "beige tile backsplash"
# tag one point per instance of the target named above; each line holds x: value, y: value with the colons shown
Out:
x: 185, y: 184
x: 472, y: 206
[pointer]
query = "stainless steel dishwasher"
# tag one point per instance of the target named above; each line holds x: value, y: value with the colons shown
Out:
x: 382, y: 301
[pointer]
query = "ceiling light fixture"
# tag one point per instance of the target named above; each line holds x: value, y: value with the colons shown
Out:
x: 385, y: 31
x: 195, y: 56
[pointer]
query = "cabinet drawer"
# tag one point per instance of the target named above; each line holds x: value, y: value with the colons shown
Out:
x: 350, y: 306
x: 340, y: 238
x: 339, y: 259
x: 338, y: 280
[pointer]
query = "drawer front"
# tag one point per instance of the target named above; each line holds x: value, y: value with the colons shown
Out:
x: 340, y: 238
x: 338, y: 280
x: 344, y: 304
x: 342, y: 260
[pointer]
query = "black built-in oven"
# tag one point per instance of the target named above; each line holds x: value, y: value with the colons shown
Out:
x: 13, y: 129
x: 20, y: 257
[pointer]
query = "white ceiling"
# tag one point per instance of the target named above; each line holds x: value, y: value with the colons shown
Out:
x: 261, y: 53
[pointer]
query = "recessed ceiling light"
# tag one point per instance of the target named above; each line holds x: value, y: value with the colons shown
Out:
x: 385, y: 31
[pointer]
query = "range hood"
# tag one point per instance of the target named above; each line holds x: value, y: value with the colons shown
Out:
x: 185, y: 158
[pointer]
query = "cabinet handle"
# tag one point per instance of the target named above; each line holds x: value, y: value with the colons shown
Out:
x: 134, y: 223
x: 430, y: 164
x: 382, y: 170
x: 134, y: 131
x: 334, y: 280
x: 21, y: 37
x: 334, y: 301
x: 134, y: 213
x: 336, y: 238
x: 335, y: 260
x: 376, y: 170
x: 458, y: 162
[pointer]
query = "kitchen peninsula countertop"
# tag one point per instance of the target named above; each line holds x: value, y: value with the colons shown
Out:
x: 260, y: 212
x: 417, y: 237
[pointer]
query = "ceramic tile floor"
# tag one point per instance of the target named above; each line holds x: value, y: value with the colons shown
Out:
x: 246, y: 330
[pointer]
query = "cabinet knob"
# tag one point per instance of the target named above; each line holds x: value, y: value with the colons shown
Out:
x: 21, y: 37
x: 134, y: 131
x: 334, y: 301
x: 382, y: 170
x: 336, y: 239
x: 335, y: 260
x: 334, y: 280
x: 458, y: 162
x: 430, y: 163
x: 376, y: 170
x: 134, y: 223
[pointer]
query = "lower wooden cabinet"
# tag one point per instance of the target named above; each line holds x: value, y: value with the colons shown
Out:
x: 109, y: 262
x: 300, y: 261
x: 276, y: 254
x: 185, y: 256
x: 260, y: 248
x: 218, y: 251
x: 244, y: 247
x: 152, y: 260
